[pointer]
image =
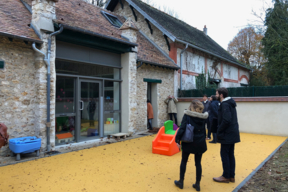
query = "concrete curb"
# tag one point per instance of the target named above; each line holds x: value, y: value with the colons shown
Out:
x: 261, y: 165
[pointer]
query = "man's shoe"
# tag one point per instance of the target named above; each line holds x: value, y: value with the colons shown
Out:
x: 221, y: 179
x: 212, y: 141
x: 179, y: 184
x: 232, y: 180
x: 197, y: 187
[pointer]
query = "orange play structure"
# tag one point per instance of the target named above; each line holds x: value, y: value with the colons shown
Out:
x: 164, y: 143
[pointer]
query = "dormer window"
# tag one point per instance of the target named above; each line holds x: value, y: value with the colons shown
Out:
x: 112, y: 19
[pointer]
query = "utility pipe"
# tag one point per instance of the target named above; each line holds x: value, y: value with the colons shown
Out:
x: 47, y: 62
x: 181, y: 64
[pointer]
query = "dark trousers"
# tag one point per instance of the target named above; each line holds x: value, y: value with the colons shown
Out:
x: 228, y: 160
x: 214, y: 137
x: 175, y: 117
x: 91, y: 118
x: 149, y: 123
x: 197, y: 159
x: 209, y: 128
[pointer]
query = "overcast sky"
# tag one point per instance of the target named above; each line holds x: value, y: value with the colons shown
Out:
x: 223, y: 18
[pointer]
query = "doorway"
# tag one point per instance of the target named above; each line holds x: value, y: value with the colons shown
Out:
x: 90, y: 93
x: 153, y: 97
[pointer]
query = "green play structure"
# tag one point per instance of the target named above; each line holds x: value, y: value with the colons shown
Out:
x: 169, y: 127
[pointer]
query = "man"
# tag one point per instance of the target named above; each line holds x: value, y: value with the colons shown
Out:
x: 227, y: 134
x: 206, y: 104
x: 150, y: 114
x: 91, y: 108
x: 172, y: 110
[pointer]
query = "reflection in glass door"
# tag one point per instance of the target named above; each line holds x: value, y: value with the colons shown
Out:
x: 89, y: 110
x: 65, y: 110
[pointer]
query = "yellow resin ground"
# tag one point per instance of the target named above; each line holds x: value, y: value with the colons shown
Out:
x: 131, y: 166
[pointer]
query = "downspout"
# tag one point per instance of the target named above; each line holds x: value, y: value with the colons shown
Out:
x: 47, y: 62
x: 181, y: 64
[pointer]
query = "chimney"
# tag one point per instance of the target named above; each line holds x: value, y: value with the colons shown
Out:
x: 205, y: 30
x: 43, y: 12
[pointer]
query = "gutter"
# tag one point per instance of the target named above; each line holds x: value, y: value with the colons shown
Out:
x: 196, y: 47
x: 157, y: 64
x: 181, y: 64
x: 47, y: 62
x: 20, y: 38
x: 77, y: 29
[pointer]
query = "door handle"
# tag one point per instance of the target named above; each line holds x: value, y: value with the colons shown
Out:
x: 81, y: 109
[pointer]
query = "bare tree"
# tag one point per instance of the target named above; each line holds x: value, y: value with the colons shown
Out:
x: 259, y: 16
x: 99, y: 3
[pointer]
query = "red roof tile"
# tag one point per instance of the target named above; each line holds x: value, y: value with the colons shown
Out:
x: 15, y: 20
x: 77, y: 13
x: 148, y: 52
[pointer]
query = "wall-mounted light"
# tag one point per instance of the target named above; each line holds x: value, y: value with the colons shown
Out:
x: 2, y: 64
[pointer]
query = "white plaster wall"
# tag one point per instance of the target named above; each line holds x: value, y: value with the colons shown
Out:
x: 211, y: 71
x: 265, y: 118
x: 229, y: 84
x: 244, y: 81
x: 242, y: 72
x: 230, y: 72
x: 188, y: 81
x: 191, y: 62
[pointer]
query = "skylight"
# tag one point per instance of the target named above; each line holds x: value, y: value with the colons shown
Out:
x: 112, y: 19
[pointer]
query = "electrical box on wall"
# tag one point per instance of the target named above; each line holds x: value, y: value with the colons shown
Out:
x: 2, y: 64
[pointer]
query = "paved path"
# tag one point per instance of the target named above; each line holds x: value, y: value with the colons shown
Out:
x: 131, y: 166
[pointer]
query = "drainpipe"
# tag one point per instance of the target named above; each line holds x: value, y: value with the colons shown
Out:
x: 47, y: 62
x: 181, y: 64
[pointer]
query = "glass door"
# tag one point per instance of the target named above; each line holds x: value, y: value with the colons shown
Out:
x: 65, y: 110
x: 89, y: 110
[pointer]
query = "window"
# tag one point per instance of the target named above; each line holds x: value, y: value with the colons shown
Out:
x: 112, y: 19
x: 2, y: 64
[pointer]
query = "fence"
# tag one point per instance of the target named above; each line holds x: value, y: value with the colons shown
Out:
x: 239, y: 92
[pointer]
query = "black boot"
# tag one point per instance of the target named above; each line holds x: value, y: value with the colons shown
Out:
x: 196, y: 186
x: 179, y: 183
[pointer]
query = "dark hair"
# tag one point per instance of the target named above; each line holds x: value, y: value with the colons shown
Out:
x: 148, y: 101
x: 213, y: 97
x: 223, y: 91
x: 204, y: 95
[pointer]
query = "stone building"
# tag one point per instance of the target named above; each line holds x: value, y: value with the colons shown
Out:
x: 72, y: 72
x: 200, y: 53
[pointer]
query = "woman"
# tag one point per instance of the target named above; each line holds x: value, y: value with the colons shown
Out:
x: 213, y: 117
x: 150, y: 115
x: 197, y: 119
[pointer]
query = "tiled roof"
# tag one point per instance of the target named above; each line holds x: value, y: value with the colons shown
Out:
x: 77, y: 13
x: 149, y: 53
x: 15, y: 20
x: 181, y: 30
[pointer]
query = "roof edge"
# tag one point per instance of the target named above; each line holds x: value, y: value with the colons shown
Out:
x: 157, y: 64
x: 146, y: 16
x: 204, y: 50
x: 98, y: 35
x: 157, y: 47
x: 27, y: 6
x: 20, y: 37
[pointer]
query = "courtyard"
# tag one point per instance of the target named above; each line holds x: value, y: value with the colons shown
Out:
x: 130, y: 166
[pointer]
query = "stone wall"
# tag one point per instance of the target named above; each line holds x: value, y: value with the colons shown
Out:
x: 18, y: 89
x: 164, y: 89
x: 141, y: 24
x: 44, y: 9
